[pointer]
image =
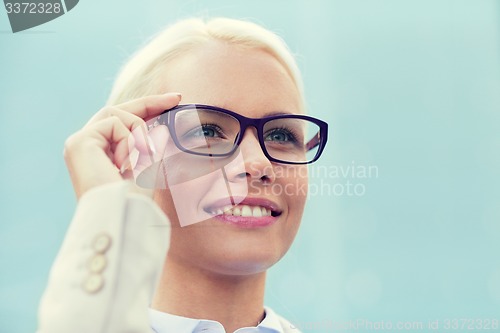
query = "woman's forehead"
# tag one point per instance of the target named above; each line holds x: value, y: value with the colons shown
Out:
x: 248, y: 81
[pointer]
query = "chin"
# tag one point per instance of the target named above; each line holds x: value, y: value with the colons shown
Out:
x: 244, y: 261
x: 240, y: 267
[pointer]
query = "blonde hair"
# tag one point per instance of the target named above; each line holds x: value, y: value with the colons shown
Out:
x: 141, y: 73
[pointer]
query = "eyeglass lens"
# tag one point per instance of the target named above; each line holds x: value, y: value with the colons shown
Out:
x: 211, y: 132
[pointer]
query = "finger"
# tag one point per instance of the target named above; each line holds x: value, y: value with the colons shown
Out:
x: 142, y: 142
x: 112, y: 132
x: 152, y: 148
x: 160, y: 137
x: 150, y: 106
x: 138, y: 138
x: 146, y: 147
x: 130, y: 120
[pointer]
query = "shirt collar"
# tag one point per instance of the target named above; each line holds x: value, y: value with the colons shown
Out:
x: 271, y: 321
x: 163, y: 322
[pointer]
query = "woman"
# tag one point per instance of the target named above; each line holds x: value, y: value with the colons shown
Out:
x: 229, y: 179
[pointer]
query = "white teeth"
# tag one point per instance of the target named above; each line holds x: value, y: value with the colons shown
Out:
x: 265, y: 211
x: 244, y: 210
x: 227, y: 210
x: 256, y: 212
x: 236, y: 211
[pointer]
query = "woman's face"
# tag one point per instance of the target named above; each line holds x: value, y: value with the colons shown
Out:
x: 254, y: 84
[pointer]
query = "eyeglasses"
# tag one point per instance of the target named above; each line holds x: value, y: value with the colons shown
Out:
x: 216, y: 132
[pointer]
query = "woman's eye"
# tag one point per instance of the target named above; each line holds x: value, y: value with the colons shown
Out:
x: 280, y: 135
x: 206, y: 132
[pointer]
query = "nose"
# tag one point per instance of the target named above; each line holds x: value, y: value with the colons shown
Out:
x: 255, y: 165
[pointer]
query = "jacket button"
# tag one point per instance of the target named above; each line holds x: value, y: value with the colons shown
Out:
x: 101, y: 243
x: 93, y: 283
x: 97, y: 263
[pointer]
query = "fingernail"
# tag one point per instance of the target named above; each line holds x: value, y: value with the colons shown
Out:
x: 131, y: 161
x: 148, y: 139
x: 125, y: 167
x: 151, y: 146
x: 179, y: 95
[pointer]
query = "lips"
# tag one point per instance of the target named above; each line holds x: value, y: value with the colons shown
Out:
x: 247, y: 212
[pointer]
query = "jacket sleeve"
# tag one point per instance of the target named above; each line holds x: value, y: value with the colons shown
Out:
x: 106, y: 271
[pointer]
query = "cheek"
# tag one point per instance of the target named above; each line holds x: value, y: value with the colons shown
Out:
x: 163, y: 199
x: 180, y: 200
x: 297, y: 196
x: 294, y: 183
x: 189, y: 180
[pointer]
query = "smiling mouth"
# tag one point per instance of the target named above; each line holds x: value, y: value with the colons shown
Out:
x: 244, y: 211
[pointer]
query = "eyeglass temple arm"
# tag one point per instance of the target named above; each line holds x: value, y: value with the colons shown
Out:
x: 313, y: 142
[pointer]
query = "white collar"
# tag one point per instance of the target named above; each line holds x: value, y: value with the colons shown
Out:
x: 162, y: 322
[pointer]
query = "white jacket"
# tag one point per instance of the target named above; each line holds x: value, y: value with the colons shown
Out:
x: 104, y: 276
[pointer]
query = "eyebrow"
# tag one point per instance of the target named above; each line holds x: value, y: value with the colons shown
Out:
x: 268, y: 114
x: 181, y: 115
x: 277, y: 113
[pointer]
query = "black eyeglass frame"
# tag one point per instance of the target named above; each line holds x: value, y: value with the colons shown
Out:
x: 258, y: 123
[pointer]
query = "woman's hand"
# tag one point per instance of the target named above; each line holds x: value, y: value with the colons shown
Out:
x: 95, y: 154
